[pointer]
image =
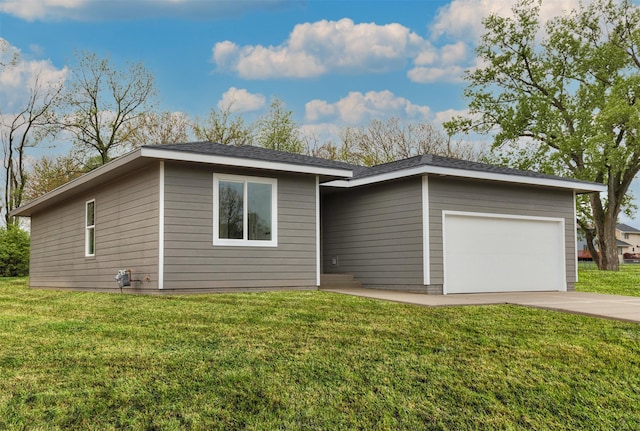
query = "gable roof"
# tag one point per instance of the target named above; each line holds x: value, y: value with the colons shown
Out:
x: 330, y: 172
x: 626, y: 228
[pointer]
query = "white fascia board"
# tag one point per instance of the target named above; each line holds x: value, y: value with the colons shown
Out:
x: 182, y: 156
x: 114, y: 164
x: 463, y: 173
x: 376, y: 178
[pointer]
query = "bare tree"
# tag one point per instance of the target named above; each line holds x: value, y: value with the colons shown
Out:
x: 103, y: 104
x: 328, y: 150
x: 163, y: 128
x: 393, y: 139
x: 5, y: 47
x: 23, y: 130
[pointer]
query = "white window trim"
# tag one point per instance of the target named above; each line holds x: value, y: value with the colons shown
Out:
x: 274, y: 211
x: 87, y: 228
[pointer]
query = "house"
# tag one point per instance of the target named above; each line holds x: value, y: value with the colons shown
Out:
x: 204, y: 217
x: 627, y: 241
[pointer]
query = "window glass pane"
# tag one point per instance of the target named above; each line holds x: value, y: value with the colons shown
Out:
x: 90, y: 213
x: 230, y: 209
x: 91, y: 241
x: 259, y: 211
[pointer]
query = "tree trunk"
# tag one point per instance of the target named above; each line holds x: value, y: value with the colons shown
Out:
x: 605, y: 224
x: 608, y: 247
x: 590, y: 239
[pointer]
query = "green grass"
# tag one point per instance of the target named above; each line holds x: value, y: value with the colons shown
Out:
x: 307, y: 360
x: 626, y: 281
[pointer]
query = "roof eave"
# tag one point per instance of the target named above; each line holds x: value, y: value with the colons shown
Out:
x: 577, y: 186
x: 27, y: 209
x: 159, y: 153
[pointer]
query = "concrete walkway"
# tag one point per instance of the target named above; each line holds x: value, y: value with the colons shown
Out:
x: 625, y: 308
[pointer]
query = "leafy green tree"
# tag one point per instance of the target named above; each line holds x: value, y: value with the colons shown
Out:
x: 103, y: 105
x: 14, y: 252
x: 224, y: 127
x: 277, y: 130
x: 48, y: 173
x: 563, y: 97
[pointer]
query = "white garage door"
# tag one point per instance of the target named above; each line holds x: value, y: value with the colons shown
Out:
x: 493, y: 253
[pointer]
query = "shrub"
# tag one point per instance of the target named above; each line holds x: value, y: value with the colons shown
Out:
x: 14, y: 252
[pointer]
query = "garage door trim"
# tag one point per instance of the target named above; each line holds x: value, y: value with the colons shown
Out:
x: 560, y: 223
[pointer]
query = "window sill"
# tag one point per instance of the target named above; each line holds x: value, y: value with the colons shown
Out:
x: 243, y: 243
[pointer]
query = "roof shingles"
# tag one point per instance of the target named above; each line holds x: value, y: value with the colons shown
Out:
x: 255, y: 153
x: 264, y: 154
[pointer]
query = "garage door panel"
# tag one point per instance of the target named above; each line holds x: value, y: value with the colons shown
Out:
x: 485, y: 253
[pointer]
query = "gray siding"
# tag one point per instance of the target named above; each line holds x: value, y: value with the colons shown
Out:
x: 192, y: 263
x: 375, y: 232
x: 126, y: 237
x: 480, y: 196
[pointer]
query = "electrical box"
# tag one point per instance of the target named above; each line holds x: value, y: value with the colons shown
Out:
x: 123, y: 278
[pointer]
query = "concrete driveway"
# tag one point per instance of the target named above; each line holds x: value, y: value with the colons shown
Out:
x: 625, y: 308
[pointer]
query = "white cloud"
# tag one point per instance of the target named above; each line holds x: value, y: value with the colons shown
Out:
x: 462, y: 19
x: 319, y: 133
x: 314, y: 49
x: 357, y: 107
x: 460, y: 22
x: 38, y: 9
x: 88, y: 10
x: 239, y: 99
x: 424, y: 75
x: 16, y: 79
x: 442, y: 117
x: 454, y: 53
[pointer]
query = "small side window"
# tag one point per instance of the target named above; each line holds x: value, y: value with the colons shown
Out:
x: 90, y: 228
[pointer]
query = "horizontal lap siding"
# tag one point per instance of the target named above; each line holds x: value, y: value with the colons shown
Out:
x: 126, y: 237
x: 375, y: 232
x: 484, y: 197
x: 193, y: 263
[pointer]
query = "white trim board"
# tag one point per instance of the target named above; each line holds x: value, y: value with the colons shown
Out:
x: 182, y: 156
x: 161, y: 228
x: 464, y: 173
x: 77, y: 182
x: 426, y: 243
x: 318, y: 239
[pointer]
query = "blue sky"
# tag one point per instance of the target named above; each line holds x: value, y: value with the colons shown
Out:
x: 333, y: 63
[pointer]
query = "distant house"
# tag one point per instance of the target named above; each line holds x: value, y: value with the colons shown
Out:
x: 627, y: 241
x: 204, y: 217
x: 628, y: 238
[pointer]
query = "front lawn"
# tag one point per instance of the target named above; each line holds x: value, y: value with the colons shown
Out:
x: 626, y: 281
x: 307, y: 360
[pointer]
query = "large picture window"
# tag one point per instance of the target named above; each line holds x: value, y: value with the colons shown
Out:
x: 245, y: 211
x: 90, y: 228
